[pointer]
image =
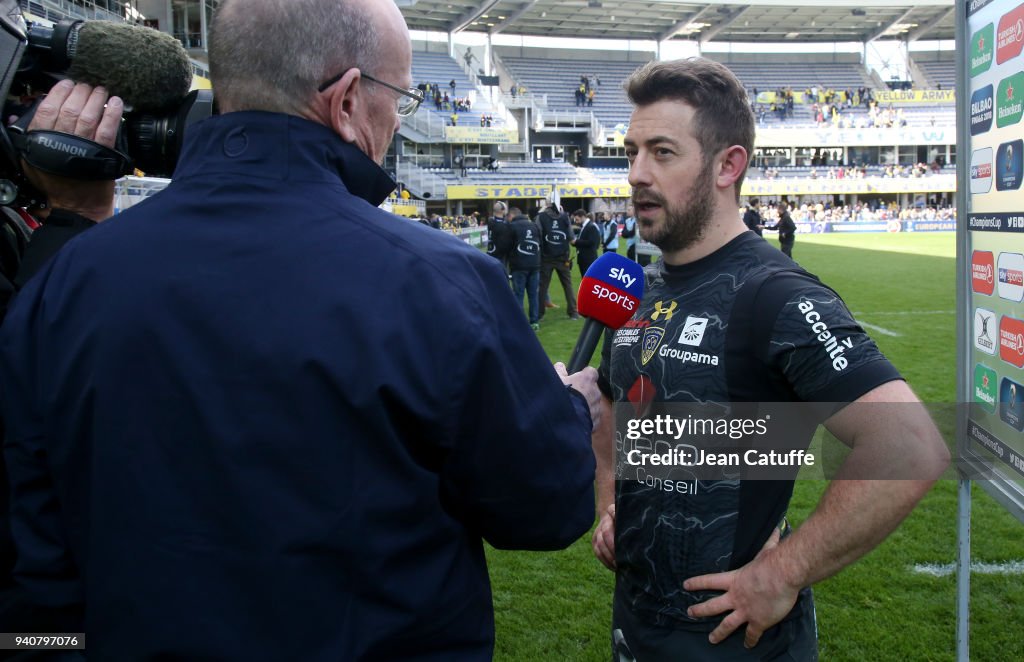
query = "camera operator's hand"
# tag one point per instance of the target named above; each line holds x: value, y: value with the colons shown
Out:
x: 87, y: 112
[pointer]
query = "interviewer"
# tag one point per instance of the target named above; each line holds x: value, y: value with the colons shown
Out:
x: 255, y: 417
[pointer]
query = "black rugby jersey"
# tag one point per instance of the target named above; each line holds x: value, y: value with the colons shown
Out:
x: 744, y: 324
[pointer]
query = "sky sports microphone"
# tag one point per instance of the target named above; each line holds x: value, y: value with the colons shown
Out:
x: 148, y: 69
x: 609, y: 295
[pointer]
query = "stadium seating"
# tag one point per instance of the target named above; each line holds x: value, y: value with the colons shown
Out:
x: 559, y: 78
x: 939, y: 73
x: 440, y: 68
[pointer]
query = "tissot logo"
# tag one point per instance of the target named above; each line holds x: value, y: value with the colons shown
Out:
x: 981, y: 110
x: 983, y: 268
x: 693, y: 331
x: 985, y: 330
x: 1010, y: 35
x: 981, y: 49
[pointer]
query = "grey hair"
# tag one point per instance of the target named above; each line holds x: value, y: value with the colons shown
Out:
x: 272, y: 55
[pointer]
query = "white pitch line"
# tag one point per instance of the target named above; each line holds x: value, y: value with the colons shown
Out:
x: 907, y: 313
x: 882, y: 330
x: 977, y: 567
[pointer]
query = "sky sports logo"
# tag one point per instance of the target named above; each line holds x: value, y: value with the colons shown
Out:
x: 1011, y: 276
x: 1010, y: 35
x: 981, y: 110
x: 981, y: 170
x: 981, y: 50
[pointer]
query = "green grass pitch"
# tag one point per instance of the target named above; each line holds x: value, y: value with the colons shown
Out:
x: 557, y: 606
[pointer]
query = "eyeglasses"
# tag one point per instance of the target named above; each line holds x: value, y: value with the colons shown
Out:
x: 408, y: 103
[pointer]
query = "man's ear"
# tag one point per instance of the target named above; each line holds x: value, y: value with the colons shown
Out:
x: 733, y: 164
x: 346, y: 97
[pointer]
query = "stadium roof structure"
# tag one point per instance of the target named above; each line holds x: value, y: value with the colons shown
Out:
x: 721, y: 20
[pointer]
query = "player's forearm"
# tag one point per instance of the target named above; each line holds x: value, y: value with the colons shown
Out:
x: 851, y: 519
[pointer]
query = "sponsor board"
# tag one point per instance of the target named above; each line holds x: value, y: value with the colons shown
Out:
x: 1011, y: 276
x: 985, y: 330
x: 1013, y: 222
x: 481, y: 134
x: 985, y: 387
x: 1009, y: 165
x: 1011, y: 404
x: 931, y: 226
x: 1010, y: 35
x: 1010, y: 100
x: 982, y: 49
x: 981, y: 110
x: 981, y: 170
x: 1011, y: 340
x: 539, y: 190
x: 907, y: 97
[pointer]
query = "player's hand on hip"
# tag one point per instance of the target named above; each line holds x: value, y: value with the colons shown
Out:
x: 756, y: 595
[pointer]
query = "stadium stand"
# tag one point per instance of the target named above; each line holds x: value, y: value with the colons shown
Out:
x: 558, y: 79
x: 940, y: 74
x: 440, y: 69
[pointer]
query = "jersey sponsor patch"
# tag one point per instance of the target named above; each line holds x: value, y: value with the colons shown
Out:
x: 693, y: 331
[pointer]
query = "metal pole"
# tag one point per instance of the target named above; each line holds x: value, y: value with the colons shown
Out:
x: 963, y: 571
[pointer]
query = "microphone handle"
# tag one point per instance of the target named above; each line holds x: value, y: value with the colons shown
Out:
x: 585, y: 345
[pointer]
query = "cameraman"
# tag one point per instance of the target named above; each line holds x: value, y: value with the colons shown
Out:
x: 72, y: 206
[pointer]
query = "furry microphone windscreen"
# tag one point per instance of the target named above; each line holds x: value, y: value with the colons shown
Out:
x: 148, y: 69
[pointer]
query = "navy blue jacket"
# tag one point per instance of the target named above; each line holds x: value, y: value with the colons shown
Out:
x: 257, y: 418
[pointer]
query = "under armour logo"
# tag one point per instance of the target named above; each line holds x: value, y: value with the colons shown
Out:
x: 660, y: 309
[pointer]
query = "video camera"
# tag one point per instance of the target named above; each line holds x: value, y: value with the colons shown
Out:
x: 34, y: 57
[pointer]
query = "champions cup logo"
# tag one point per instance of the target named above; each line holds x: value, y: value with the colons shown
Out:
x: 983, y: 267
x: 1011, y: 404
x: 1010, y: 35
x: 981, y: 49
x: 1011, y: 340
x: 981, y: 110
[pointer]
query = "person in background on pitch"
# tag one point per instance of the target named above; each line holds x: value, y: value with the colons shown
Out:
x: 557, y: 237
x: 786, y: 228
x: 499, y: 234
x: 610, y: 229
x: 701, y: 574
x: 587, y: 241
x: 230, y: 419
x: 629, y: 232
x: 524, y: 263
x: 752, y: 217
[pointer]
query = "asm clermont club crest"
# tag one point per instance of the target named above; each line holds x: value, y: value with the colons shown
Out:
x: 654, y: 334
